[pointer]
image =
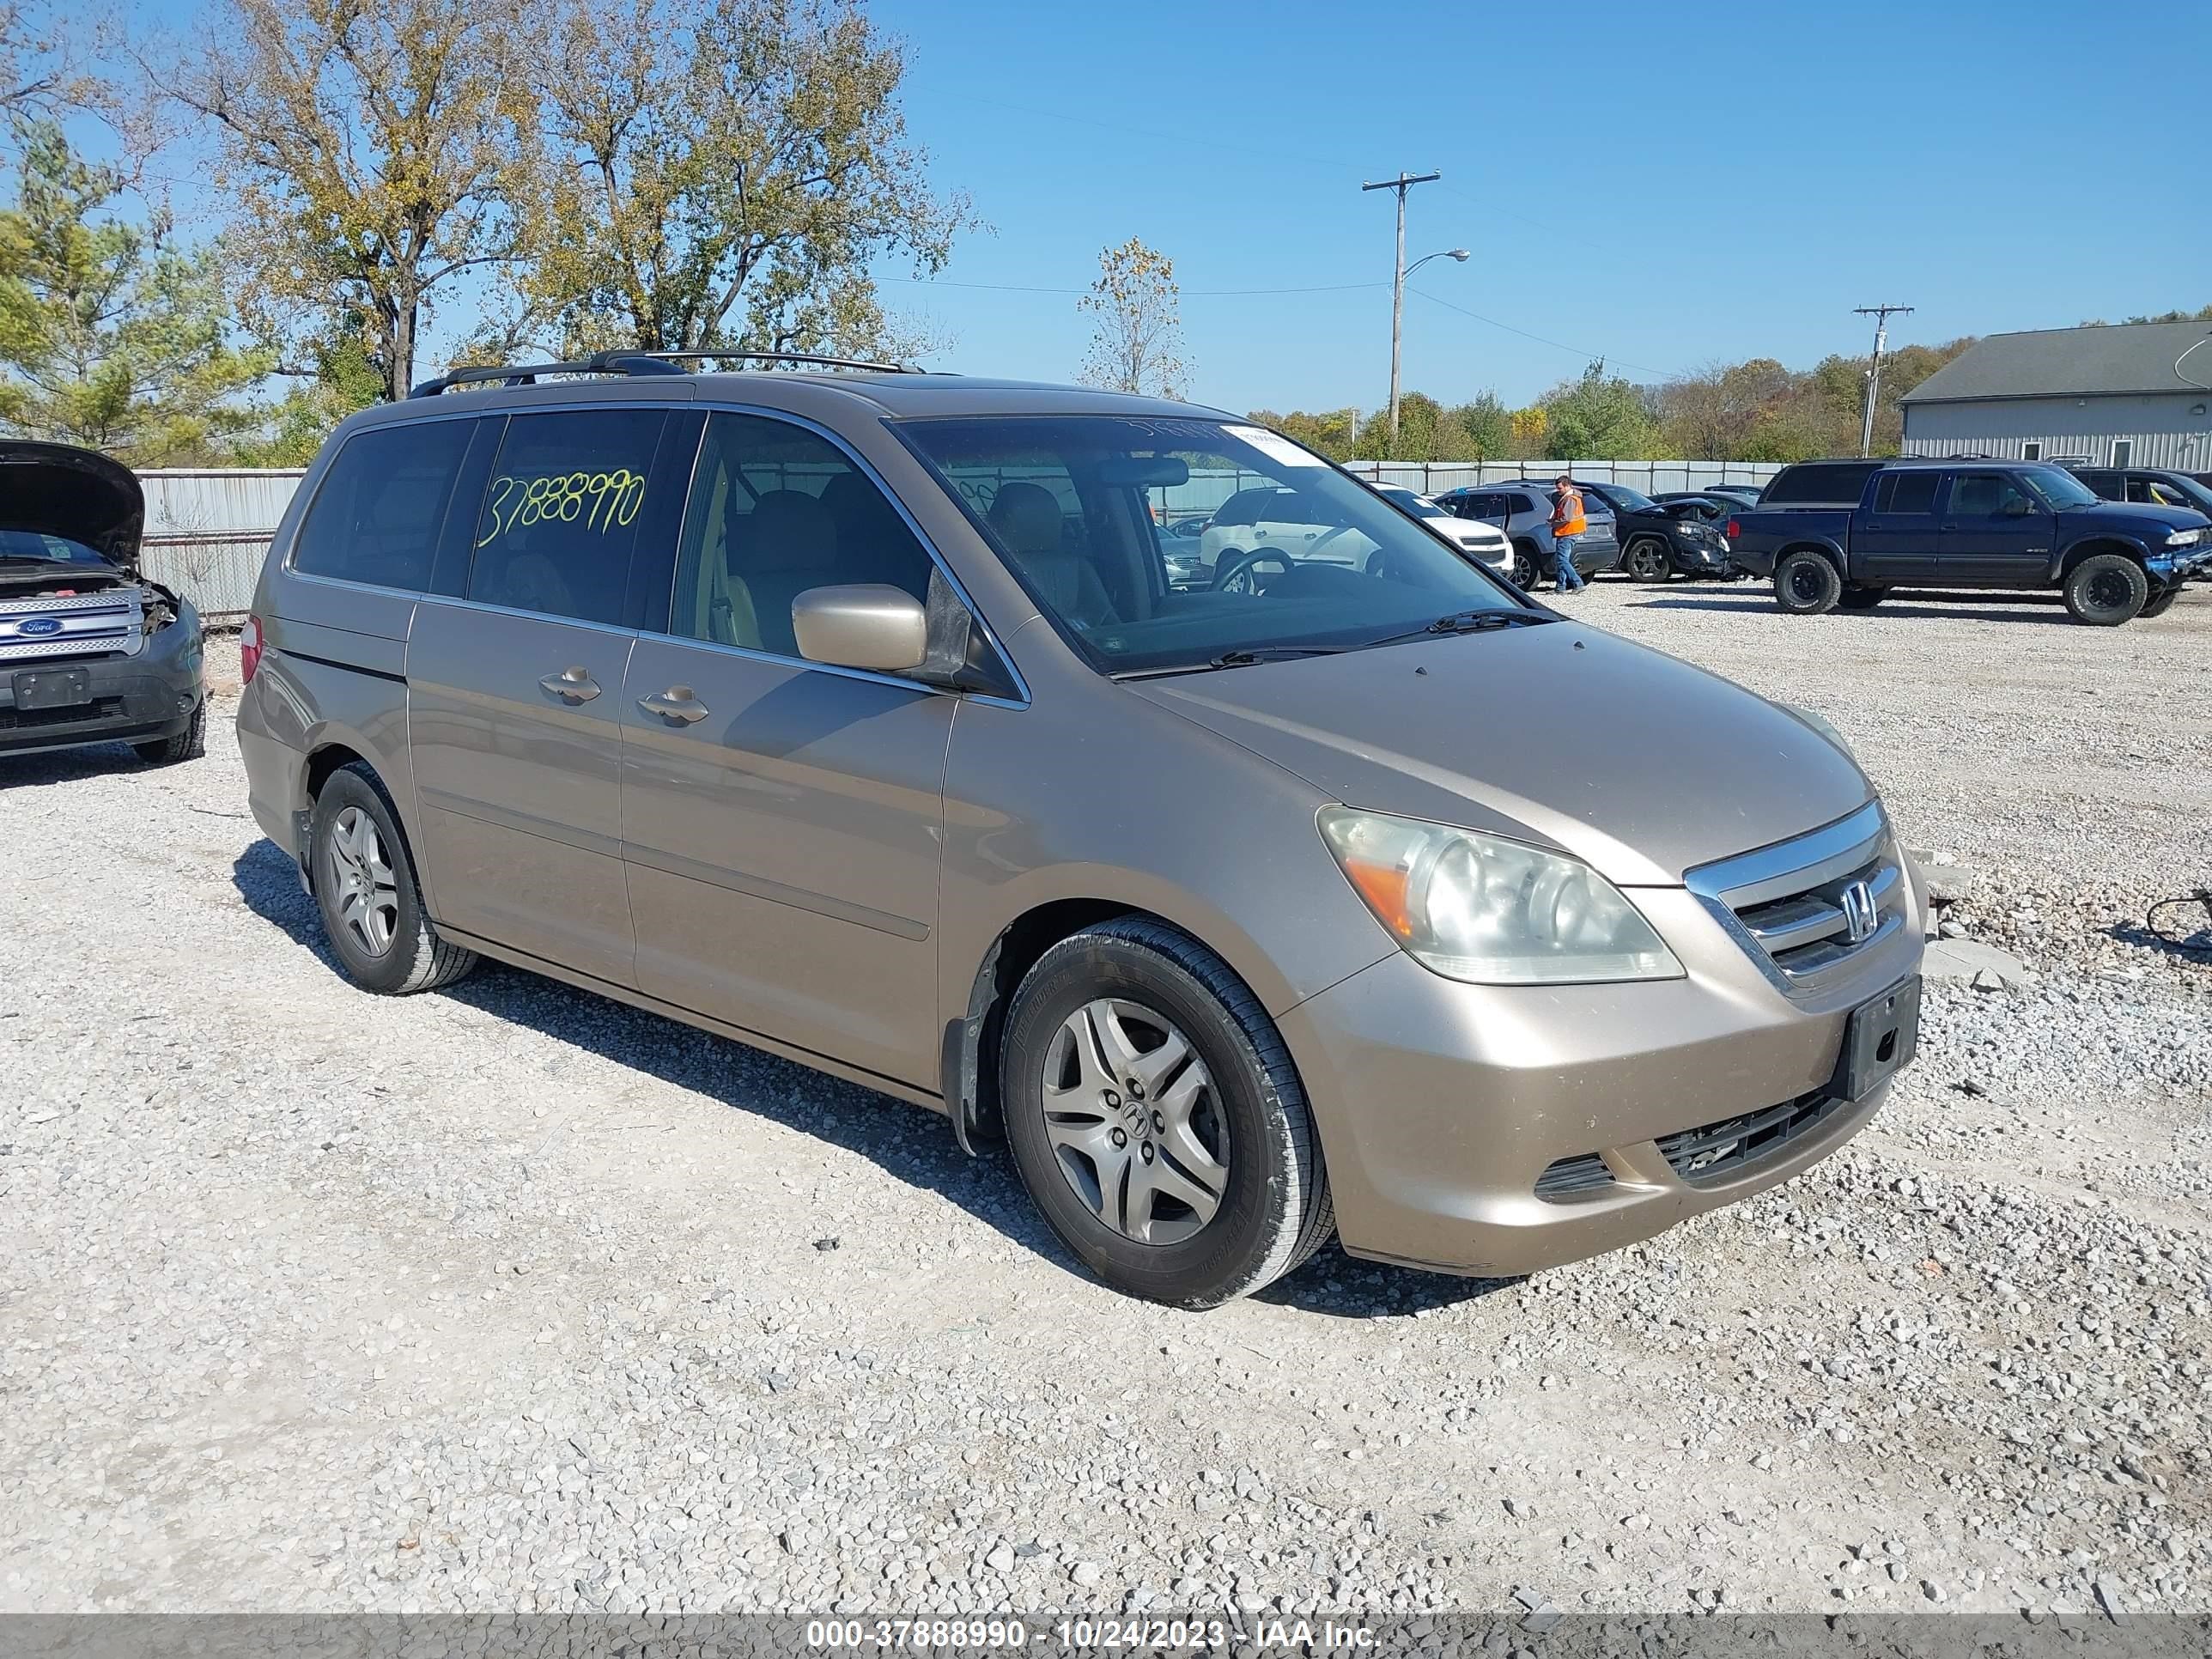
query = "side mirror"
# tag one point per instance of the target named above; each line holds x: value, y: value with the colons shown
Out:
x: 861, y: 625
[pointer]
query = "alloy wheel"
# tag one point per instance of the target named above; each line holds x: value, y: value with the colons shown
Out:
x: 366, y: 891
x: 1134, y: 1124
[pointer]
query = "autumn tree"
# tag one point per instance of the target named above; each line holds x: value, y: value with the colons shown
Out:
x: 721, y: 172
x: 370, y: 148
x: 1598, y: 416
x: 1136, y: 337
x: 113, y: 337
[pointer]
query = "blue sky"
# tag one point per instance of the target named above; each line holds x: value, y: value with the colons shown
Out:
x: 1702, y: 182
x: 1664, y: 185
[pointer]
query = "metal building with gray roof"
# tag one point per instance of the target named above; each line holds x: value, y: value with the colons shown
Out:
x: 2113, y: 395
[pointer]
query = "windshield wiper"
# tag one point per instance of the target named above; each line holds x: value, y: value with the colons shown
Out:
x: 1467, y: 622
x: 1241, y: 658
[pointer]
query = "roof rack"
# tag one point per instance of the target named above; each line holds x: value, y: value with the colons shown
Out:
x: 624, y: 361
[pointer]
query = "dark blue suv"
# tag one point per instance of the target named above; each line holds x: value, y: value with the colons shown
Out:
x: 1842, y: 534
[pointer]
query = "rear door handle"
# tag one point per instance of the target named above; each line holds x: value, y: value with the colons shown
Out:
x: 676, y: 705
x: 572, y: 685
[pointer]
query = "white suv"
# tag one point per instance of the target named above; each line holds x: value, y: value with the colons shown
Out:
x: 1486, y: 542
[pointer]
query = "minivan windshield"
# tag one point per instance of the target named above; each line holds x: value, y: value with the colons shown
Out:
x: 1076, y: 505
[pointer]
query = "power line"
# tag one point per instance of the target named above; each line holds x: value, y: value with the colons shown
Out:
x: 1561, y: 345
x: 1186, y: 294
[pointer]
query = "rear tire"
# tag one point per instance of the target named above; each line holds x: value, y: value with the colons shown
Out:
x: 1856, y: 598
x: 1806, y: 584
x: 2106, y: 589
x: 364, y: 880
x: 1223, y: 1118
x: 1644, y: 560
x: 188, y: 744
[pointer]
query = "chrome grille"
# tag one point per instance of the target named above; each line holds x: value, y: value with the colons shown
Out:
x: 1804, y: 907
x: 73, y: 625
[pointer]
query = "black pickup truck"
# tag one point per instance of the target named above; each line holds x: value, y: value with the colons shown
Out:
x: 1843, y: 533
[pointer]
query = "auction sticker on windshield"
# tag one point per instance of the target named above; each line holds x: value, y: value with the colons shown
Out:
x: 1274, y: 448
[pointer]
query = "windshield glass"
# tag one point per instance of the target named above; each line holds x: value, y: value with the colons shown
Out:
x: 1631, y: 500
x: 1310, y: 558
x: 2061, y: 488
x: 17, y: 545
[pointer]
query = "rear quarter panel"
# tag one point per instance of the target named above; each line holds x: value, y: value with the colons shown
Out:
x: 1764, y: 533
x: 333, y: 670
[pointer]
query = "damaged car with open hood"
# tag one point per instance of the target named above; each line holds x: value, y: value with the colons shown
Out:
x: 91, y: 651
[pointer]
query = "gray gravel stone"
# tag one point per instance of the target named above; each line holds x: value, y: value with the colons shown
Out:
x: 506, y: 1297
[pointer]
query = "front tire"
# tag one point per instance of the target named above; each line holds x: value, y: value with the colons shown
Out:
x: 1806, y: 585
x: 1157, y: 1120
x: 1645, y: 560
x: 1856, y: 598
x: 188, y: 744
x: 1527, y: 569
x: 2158, y: 603
x: 364, y: 881
x: 2106, y: 589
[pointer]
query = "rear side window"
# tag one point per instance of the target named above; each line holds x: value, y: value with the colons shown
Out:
x: 377, y: 516
x: 1906, y: 492
x: 1830, y: 483
x: 2107, y: 484
x: 561, y: 515
x: 1243, y: 507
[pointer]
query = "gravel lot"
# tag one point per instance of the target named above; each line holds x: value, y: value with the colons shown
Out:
x: 509, y: 1298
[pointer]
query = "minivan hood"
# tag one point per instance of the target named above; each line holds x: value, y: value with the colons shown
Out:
x: 1637, y: 763
x: 54, y: 489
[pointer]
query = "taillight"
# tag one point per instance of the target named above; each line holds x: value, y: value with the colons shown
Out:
x: 249, y: 649
x: 1733, y: 532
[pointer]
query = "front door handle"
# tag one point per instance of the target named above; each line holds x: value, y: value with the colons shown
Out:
x: 572, y: 685
x: 676, y: 705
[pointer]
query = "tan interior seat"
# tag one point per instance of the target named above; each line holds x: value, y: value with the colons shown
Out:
x: 1027, y: 518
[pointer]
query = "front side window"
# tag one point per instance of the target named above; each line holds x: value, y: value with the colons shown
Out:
x: 377, y: 515
x: 561, y: 515
x: 1074, y: 510
x: 1987, y: 495
x: 775, y: 510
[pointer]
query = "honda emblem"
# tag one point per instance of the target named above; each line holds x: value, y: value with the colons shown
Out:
x: 1860, y: 914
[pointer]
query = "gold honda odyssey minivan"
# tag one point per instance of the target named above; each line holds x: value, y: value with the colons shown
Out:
x: 885, y: 720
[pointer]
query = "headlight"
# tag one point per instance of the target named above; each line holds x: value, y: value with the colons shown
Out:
x: 2184, y: 538
x: 1492, y: 912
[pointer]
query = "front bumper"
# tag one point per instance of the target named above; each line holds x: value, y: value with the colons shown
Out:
x: 2181, y: 565
x: 138, y: 699
x: 1441, y: 1106
x: 1699, y: 558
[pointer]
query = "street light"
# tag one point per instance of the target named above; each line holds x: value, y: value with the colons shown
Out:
x: 1398, y: 312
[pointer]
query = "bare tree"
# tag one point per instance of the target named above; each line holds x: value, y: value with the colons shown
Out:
x: 1136, y: 342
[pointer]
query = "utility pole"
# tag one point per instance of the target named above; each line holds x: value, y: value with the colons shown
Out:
x: 1402, y: 184
x: 1882, y: 314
